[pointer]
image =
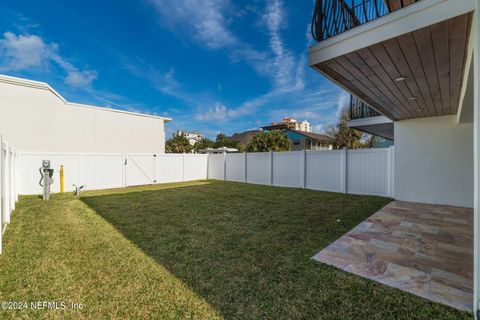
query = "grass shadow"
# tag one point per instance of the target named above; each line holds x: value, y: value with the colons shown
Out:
x: 246, y: 249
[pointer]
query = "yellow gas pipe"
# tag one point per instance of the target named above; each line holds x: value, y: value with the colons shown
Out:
x: 62, y: 180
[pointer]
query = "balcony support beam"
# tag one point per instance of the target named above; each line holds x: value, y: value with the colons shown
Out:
x: 408, y: 19
x: 380, y: 126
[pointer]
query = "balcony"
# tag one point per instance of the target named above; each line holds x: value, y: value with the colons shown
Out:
x: 405, y: 58
x: 364, y: 118
x: 332, y: 17
x: 359, y: 109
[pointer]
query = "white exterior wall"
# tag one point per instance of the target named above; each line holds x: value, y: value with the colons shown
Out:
x: 434, y: 161
x: 476, y: 133
x: 38, y: 119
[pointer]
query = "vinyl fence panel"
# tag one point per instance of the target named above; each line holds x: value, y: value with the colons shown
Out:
x: 11, y: 177
x: 30, y: 164
x: 216, y: 166
x: 110, y: 170
x: 169, y: 168
x: 325, y: 170
x: 195, y: 167
x: 101, y: 171
x: 9, y: 183
x: 368, y: 172
x: 259, y: 168
x: 140, y: 169
x: 235, y: 167
x: 287, y: 169
x: 365, y: 171
x: 5, y: 184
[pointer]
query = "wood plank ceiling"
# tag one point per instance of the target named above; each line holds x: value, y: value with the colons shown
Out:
x: 431, y: 61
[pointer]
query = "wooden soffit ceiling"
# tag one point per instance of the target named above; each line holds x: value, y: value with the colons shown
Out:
x: 417, y: 74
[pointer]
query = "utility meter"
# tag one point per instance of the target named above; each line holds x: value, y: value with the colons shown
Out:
x: 46, y: 178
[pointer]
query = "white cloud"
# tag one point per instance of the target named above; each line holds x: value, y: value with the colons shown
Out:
x: 308, y: 35
x: 319, y: 128
x: 26, y: 52
x: 283, y: 61
x: 77, y: 78
x: 342, y: 102
x: 219, y: 112
x: 162, y: 81
x: 205, y: 20
x: 210, y: 22
x: 23, y: 51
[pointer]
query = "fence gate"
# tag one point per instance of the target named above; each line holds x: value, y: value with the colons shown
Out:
x: 140, y: 169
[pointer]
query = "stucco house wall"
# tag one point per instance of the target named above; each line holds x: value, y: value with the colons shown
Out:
x: 35, y: 117
x: 434, y: 161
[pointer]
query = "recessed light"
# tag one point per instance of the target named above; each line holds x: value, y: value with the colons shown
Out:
x: 400, y: 79
x: 412, y: 98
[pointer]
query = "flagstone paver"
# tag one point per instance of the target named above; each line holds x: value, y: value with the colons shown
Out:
x: 423, y: 249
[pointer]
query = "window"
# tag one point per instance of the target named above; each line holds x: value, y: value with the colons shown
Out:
x: 296, y: 142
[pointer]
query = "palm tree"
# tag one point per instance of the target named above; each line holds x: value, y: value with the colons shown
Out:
x: 178, y: 144
x: 203, y: 144
x: 274, y: 140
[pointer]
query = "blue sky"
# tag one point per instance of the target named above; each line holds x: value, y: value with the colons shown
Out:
x: 211, y: 65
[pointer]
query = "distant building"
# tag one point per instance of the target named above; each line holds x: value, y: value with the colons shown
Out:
x: 290, y: 123
x: 244, y: 138
x: 304, y: 126
x: 218, y: 150
x: 192, y: 137
x: 300, y: 140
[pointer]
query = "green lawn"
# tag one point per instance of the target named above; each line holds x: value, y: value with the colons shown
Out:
x: 204, y: 250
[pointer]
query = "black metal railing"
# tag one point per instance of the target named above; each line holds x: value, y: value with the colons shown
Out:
x: 332, y: 17
x: 359, y: 109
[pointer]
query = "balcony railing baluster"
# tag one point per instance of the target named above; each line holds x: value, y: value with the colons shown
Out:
x: 359, y: 109
x: 332, y: 17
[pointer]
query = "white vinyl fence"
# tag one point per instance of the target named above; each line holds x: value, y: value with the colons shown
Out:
x: 110, y: 170
x: 364, y: 171
x: 9, y: 186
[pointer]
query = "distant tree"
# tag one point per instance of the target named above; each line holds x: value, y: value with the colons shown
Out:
x: 345, y: 137
x: 241, y: 147
x: 178, y: 144
x: 274, y: 140
x: 223, y: 141
x: 203, y: 144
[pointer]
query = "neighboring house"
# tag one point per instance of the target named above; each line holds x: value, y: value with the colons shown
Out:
x: 414, y: 73
x: 290, y: 123
x: 300, y: 140
x: 217, y: 150
x: 37, y: 118
x: 192, y: 137
x: 244, y: 138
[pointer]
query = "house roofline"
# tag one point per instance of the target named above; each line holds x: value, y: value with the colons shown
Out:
x: 321, y: 137
x: 45, y: 86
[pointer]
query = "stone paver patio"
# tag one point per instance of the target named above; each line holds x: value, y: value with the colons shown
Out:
x: 423, y: 249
